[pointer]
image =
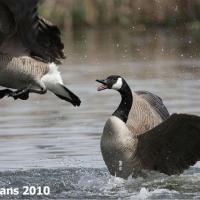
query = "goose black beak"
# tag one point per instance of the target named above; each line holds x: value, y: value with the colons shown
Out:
x: 103, y: 85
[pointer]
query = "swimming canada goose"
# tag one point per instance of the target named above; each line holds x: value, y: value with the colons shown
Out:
x: 29, y: 48
x: 141, y: 134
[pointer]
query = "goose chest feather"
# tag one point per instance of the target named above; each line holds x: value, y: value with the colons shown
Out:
x: 118, y: 146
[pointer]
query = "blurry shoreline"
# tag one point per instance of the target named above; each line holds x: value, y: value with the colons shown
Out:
x: 138, y: 14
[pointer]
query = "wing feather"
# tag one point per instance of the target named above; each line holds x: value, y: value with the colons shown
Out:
x: 172, y: 146
x: 39, y: 36
x: 156, y: 103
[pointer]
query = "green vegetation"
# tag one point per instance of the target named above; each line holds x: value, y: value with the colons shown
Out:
x: 72, y: 14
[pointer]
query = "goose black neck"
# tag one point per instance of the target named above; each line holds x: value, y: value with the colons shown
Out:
x: 123, y: 110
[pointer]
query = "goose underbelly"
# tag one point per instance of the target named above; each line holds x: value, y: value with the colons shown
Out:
x: 20, y: 72
x: 118, y: 146
x: 10, y: 80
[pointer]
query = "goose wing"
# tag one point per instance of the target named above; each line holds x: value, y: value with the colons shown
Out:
x: 156, y: 103
x: 40, y: 37
x: 172, y: 146
x: 7, y: 23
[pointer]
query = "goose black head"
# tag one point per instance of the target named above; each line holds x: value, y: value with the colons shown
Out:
x: 114, y: 82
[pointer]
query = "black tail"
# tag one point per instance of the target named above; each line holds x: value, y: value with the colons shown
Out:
x: 63, y: 93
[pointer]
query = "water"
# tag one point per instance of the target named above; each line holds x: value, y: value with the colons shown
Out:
x: 48, y: 142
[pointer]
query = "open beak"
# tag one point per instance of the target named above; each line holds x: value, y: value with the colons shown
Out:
x: 103, y: 85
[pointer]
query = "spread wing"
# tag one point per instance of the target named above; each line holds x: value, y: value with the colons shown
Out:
x: 39, y: 36
x: 172, y: 146
x: 7, y: 23
x: 156, y: 102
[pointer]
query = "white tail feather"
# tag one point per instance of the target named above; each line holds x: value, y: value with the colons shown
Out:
x: 53, y: 82
x: 53, y: 76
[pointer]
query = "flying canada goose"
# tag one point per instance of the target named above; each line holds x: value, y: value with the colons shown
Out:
x: 30, y: 48
x: 141, y: 134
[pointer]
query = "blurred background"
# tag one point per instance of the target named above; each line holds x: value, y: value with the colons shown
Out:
x: 73, y: 14
x: 101, y: 30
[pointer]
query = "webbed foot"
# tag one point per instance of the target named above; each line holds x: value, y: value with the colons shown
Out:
x: 20, y: 94
x: 5, y: 92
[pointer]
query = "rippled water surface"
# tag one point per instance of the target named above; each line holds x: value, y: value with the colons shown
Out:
x: 46, y: 141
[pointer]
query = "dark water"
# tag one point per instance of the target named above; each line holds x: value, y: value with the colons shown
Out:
x: 47, y: 142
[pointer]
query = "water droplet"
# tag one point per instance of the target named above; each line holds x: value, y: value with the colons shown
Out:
x: 120, y: 165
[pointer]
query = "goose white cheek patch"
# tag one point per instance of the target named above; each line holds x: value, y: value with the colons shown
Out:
x: 118, y: 84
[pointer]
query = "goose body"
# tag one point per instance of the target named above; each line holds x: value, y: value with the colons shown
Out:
x: 142, y: 135
x: 29, y: 75
x: 30, y: 48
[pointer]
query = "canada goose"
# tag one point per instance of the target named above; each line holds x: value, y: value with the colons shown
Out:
x: 29, y: 48
x: 140, y: 134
